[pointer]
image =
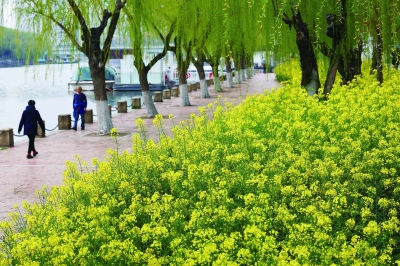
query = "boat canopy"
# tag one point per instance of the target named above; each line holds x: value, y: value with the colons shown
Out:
x: 83, y: 74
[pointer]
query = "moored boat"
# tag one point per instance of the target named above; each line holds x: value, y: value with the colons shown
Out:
x: 137, y: 87
x: 83, y: 78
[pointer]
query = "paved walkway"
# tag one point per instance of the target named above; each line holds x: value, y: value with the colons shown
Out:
x: 20, y: 177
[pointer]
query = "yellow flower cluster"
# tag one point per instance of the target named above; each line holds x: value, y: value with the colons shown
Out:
x: 280, y: 179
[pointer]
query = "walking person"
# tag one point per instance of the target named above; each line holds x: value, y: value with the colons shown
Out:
x: 29, y: 120
x: 79, y: 104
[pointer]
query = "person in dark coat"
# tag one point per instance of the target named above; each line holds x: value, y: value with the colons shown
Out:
x: 29, y: 120
x: 79, y: 104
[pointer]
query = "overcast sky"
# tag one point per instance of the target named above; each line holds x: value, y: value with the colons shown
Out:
x: 8, y: 20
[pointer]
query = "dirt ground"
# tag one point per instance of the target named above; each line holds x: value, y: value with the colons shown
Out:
x: 20, y: 178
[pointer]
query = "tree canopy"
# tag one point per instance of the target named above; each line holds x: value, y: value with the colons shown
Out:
x: 337, y: 32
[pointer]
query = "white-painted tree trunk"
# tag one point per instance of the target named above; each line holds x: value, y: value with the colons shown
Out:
x: 237, y: 77
x: 103, y: 118
x: 229, y: 78
x: 204, y: 89
x: 243, y: 73
x: 183, y: 89
x: 312, y: 86
x: 249, y: 72
x: 149, y: 104
x: 217, y: 85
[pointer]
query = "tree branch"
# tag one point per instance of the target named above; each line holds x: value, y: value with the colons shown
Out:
x: 81, y: 19
x: 287, y: 20
x: 113, y: 24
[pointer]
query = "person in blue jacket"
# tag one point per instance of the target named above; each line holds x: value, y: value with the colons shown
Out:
x: 79, y: 104
x: 29, y: 120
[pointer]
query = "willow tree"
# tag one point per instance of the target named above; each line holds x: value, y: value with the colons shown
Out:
x: 379, y: 22
x: 292, y: 16
x: 198, y: 61
x: 360, y: 24
x: 241, y: 35
x: 338, y: 29
x: 227, y: 52
x: 148, y: 25
x: 200, y: 37
x: 215, y: 45
x: 86, y: 27
x: 251, y: 40
x: 346, y: 46
x: 183, y: 51
x: 233, y: 34
x: 184, y: 43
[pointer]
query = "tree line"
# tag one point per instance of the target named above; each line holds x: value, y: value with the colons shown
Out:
x: 227, y: 32
x: 15, y: 45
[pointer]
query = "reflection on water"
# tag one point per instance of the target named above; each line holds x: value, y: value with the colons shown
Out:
x: 48, y: 86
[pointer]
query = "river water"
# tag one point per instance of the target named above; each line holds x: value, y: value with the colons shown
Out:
x: 48, y: 86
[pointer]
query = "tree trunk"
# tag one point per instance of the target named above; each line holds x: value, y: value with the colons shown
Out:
x: 217, y: 84
x: 379, y: 45
x: 243, y: 73
x: 103, y: 118
x: 237, y: 71
x: 238, y: 77
x: 183, y: 88
x: 149, y: 104
x: 148, y: 101
x: 331, y: 76
x: 97, y: 71
x: 249, y: 72
x: 374, y: 63
x: 350, y: 66
x: 229, y: 77
x: 243, y: 68
x: 199, y: 64
x: 204, y: 89
x: 308, y: 61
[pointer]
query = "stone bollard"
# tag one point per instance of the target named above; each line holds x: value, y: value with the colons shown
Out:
x: 167, y: 94
x: 109, y: 109
x: 40, y: 132
x: 122, y: 106
x: 89, y: 116
x: 136, y: 103
x: 190, y: 87
x: 175, y: 92
x: 6, y: 137
x: 158, y: 96
x: 64, y: 121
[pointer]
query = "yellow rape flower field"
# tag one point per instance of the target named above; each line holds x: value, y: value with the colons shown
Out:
x: 281, y: 179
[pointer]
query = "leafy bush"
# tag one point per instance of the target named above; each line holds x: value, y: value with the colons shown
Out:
x: 281, y: 179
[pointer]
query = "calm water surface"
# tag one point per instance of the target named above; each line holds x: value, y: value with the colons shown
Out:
x: 48, y: 86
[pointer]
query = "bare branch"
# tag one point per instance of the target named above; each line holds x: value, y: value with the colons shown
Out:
x: 287, y: 20
x: 81, y: 19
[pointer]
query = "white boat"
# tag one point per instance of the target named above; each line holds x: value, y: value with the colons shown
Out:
x: 83, y: 78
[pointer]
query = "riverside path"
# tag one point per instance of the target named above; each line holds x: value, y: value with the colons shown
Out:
x: 20, y: 178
